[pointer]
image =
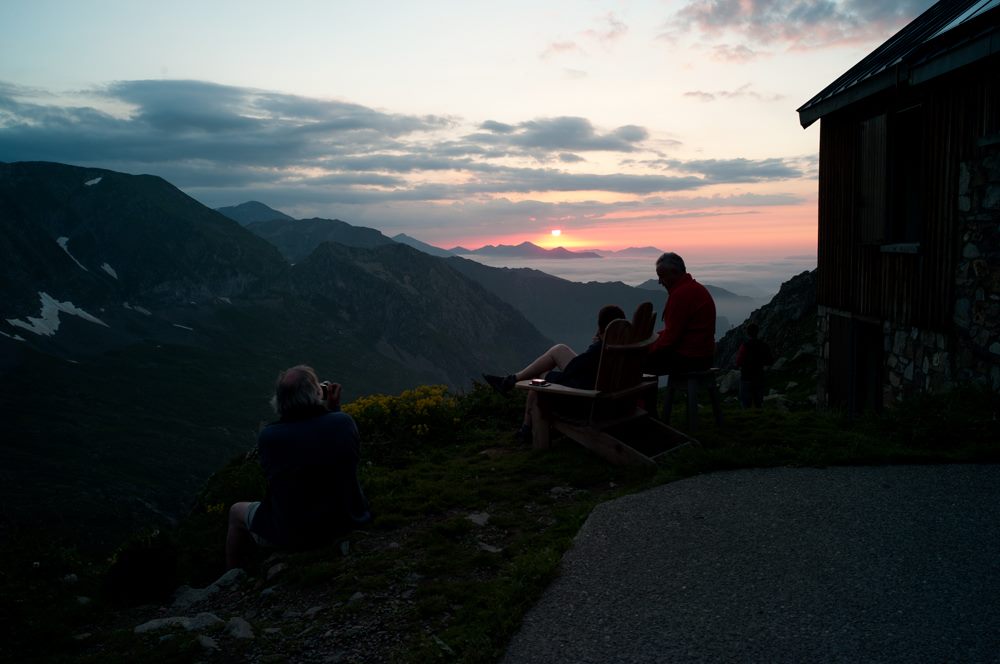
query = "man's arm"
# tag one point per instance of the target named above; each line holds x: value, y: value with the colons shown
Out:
x: 676, y: 315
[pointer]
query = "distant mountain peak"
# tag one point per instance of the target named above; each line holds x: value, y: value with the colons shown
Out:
x: 251, y: 211
x: 524, y: 250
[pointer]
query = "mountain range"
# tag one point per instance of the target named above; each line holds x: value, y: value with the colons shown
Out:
x: 140, y: 333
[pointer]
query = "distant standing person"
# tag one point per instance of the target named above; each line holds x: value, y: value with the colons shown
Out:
x: 687, y: 341
x: 310, y: 460
x: 753, y: 355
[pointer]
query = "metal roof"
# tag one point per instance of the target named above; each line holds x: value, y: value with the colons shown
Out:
x: 950, y: 34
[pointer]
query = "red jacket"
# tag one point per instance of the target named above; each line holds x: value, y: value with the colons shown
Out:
x: 688, y: 320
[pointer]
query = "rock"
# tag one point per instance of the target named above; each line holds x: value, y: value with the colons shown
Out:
x: 557, y: 491
x: 82, y: 637
x: 791, y: 384
x: 393, y: 545
x: 207, y: 642
x: 489, y: 548
x: 272, y: 630
x: 311, y: 613
x: 729, y: 382
x: 275, y: 570
x: 777, y: 401
x: 479, y: 518
x: 199, y: 622
x: 356, y: 597
x: 186, y: 596
x: 157, y: 624
x: 779, y: 363
x: 82, y: 601
x: 345, y: 547
x: 202, y: 621
x: 268, y: 591
x: 70, y: 578
x: 239, y: 628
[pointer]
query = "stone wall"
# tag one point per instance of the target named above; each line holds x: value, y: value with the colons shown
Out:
x: 915, y: 361
x: 977, y: 282
x: 919, y: 360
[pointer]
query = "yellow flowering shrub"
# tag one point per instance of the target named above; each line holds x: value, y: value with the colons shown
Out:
x: 423, y: 414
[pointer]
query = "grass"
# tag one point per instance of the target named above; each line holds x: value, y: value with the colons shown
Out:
x: 425, y: 583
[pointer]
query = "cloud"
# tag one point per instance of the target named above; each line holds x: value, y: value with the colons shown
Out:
x: 612, y: 29
x: 739, y: 170
x: 795, y: 24
x: 226, y: 144
x: 559, y: 48
x: 742, y: 92
x: 565, y: 133
x: 736, y: 53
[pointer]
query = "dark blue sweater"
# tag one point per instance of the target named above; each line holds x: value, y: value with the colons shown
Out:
x: 310, y: 461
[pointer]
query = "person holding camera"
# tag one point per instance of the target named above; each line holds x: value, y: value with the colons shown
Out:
x: 310, y: 460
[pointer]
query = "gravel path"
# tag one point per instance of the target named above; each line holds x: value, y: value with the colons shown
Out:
x: 871, y: 564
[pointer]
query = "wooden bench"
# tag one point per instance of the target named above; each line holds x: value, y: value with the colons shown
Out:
x: 693, y: 383
x: 607, y: 419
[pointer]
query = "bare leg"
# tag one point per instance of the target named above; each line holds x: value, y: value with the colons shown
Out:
x: 556, y: 357
x: 239, y: 543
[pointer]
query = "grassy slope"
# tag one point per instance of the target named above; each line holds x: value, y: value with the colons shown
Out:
x: 430, y: 591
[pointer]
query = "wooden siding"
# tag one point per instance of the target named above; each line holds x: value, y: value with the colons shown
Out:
x: 855, y: 274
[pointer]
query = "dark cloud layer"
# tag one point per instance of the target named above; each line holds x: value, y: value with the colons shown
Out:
x: 231, y: 144
x: 792, y: 23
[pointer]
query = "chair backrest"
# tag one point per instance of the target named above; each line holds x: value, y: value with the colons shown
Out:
x: 625, y: 347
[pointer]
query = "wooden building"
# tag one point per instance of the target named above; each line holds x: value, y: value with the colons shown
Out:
x: 909, y: 211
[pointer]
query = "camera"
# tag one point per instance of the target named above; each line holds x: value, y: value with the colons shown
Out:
x: 325, y: 386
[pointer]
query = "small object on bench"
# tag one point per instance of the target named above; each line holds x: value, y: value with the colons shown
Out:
x: 607, y: 419
x: 693, y: 382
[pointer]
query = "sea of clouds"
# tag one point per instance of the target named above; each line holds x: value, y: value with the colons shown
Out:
x: 759, y: 280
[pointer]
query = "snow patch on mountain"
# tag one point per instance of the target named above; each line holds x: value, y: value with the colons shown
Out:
x: 91, y: 183
x: 142, y: 310
x: 15, y: 337
x: 47, y: 321
x: 110, y: 270
x: 64, y: 243
x: 184, y: 327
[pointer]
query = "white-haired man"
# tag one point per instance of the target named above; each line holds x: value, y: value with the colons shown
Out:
x: 687, y: 341
x: 310, y: 460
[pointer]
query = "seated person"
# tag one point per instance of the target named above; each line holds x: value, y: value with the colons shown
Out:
x: 560, y: 365
x: 310, y: 460
x: 687, y: 341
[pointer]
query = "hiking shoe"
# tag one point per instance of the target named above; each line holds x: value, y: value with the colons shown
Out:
x: 503, y: 385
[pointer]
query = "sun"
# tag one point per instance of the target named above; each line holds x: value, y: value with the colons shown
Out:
x: 556, y: 232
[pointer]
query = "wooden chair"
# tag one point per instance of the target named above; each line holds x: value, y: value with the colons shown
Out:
x: 607, y: 419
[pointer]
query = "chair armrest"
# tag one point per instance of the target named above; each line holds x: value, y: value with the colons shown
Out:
x: 553, y: 388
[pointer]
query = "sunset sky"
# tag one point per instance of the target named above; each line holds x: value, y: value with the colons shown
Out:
x: 624, y: 123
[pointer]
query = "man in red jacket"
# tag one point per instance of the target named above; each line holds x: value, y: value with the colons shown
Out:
x: 687, y: 341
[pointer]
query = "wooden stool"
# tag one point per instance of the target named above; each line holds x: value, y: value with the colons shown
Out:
x: 693, y: 383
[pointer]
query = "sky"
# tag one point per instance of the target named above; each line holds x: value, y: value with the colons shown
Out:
x: 669, y: 123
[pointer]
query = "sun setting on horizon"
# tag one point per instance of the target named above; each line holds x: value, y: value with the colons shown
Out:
x: 554, y: 135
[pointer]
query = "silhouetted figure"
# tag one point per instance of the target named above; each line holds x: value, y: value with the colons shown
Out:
x: 310, y: 460
x: 687, y: 341
x: 751, y: 359
x: 560, y: 365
